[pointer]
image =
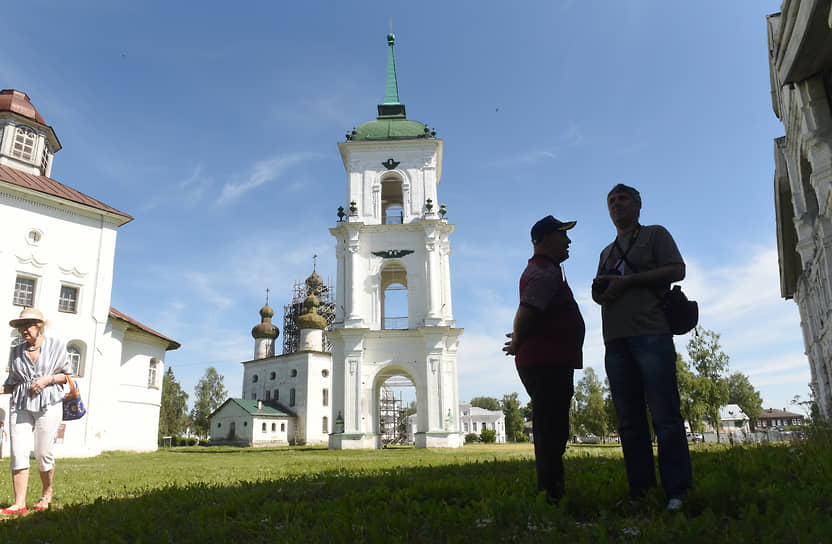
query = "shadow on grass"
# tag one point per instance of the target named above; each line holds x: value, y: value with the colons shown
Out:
x: 771, y: 493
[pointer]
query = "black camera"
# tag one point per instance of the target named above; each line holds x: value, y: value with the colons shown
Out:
x: 599, y: 285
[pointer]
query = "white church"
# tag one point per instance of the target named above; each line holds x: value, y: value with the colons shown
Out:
x: 393, y: 314
x: 57, y: 248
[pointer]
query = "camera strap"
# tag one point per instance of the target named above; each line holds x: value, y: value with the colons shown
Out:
x: 623, y: 258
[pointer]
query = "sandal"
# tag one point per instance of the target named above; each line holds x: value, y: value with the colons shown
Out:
x: 10, y: 511
x: 43, y: 503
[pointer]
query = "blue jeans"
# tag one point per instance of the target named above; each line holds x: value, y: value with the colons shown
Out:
x: 642, y: 373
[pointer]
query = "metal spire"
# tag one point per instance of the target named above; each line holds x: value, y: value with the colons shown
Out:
x: 391, y: 89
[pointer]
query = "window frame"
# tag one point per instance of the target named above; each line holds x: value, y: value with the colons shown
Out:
x: 18, y: 291
x: 153, y: 373
x: 75, y: 302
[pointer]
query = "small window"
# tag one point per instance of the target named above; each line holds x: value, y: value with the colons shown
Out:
x: 282, y: 427
x: 273, y: 375
x: 268, y: 395
x: 255, y: 378
x: 34, y: 237
x: 68, y: 301
x: 263, y: 428
x: 325, y: 425
x: 277, y: 394
x: 245, y: 423
x: 44, y: 160
x: 153, y: 373
x: 294, y: 372
x: 292, y: 397
x: 325, y: 373
x: 75, y: 349
x: 274, y: 427
x: 325, y: 395
x: 219, y: 425
x: 24, y: 144
x: 24, y: 292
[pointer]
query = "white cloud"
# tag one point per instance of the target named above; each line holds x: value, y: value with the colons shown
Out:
x: 261, y: 173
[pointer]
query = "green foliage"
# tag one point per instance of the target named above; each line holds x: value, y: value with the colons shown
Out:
x: 711, y: 364
x: 486, y: 403
x: 173, y: 411
x: 209, y: 393
x: 744, y: 395
x: 514, y: 418
x: 588, y: 414
x: 527, y: 411
x: 480, y: 493
x: 521, y: 437
x: 691, y: 394
x: 471, y: 438
x: 488, y: 436
x: 609, y: 408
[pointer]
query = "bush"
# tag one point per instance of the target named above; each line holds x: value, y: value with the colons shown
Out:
x: 521, y: 437
x: 472, y: 437
x: 488, y: 436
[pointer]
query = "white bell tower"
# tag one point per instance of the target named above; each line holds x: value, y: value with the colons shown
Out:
x: 393, y: 307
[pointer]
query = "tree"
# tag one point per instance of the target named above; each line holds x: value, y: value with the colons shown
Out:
x: 173, y: 410
x: 590, y: 416
x: 711, y: 363
x: 514, y: 418
x: 527, y: 411
x: 744, y: 395
x: 609, y: 408
x: 486, y: 403
x: 209, y: 393
x: 691, y: 389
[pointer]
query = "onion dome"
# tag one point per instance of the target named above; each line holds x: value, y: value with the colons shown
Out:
x: 265, y: 329
x: 311, y: 319
x: 392, y: 122
x: 314, y: 283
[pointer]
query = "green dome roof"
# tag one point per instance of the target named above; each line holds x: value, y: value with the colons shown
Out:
x: 390, y: 129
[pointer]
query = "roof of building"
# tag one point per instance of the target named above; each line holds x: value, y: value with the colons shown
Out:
x: 731, y: 412
x: 19, y: 103
x: 770, y: 413
x: 256, y: 408
x: 49, y: 186
x: 172, y: 344
x: 392, y: 122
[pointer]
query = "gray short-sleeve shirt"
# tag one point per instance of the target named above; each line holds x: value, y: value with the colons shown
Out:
x: 638, y: 311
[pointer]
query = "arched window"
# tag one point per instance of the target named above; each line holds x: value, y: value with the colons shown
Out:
x: 263, y: 428
x: 325, y: 395
x: 282, y: 427
x: 324, y: 373
x: 268, y: 395
x: 392, y: 209
x: 294, y: 372
x: 292, y: 396
x: 325, y: 425
x: 76, y: 350
x: 274, y: 427
x: 273, y: 375
x: 153, y: 372
x: 394, y: 296
x: 255, y: 378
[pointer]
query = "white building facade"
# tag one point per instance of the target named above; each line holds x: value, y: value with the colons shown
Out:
x: 392, y: 243
x: 800, y: 60
x: 57, y: 247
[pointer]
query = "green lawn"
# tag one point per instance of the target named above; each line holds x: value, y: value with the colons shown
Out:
x: 478, y: 493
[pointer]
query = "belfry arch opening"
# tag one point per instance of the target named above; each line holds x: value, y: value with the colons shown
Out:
x: 392, y: 200
x: 396, y: 409
x: 394, y: 296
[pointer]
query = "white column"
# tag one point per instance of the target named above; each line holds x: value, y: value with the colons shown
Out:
x: 433, y: 281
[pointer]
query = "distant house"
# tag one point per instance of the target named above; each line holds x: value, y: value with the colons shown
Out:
x: 249, y: 422
x: 473, y: 420
x: 733, y: 422
x: 772, y: 418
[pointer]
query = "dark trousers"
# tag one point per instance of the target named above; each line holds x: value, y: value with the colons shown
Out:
x: 642, y: 372
x: 550, y: 388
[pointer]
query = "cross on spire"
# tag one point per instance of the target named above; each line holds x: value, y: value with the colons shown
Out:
x: 267, y: 296
x: 314, y: 262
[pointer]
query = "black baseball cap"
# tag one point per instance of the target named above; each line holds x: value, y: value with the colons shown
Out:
x: 549, y: 224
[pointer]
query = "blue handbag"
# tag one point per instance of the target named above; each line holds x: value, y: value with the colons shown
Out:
x: 73, y: 407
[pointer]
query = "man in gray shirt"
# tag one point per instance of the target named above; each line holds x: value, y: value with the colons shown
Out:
x: 634, y: 271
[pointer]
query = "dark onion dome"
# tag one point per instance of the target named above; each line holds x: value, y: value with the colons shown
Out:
x: 265, y: 329
x: 314, y: 283
x: 311, y: 319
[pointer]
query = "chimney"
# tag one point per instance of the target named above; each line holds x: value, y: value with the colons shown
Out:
x: 259, y: 404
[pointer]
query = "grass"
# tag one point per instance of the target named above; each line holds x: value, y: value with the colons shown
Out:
x: 479, y: 493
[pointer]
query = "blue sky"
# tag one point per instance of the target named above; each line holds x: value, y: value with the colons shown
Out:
x: 215, y: 125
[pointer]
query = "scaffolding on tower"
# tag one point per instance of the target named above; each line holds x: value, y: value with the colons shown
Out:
x: 291, y: 311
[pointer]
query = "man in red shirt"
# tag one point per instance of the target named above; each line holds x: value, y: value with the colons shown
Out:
x: 547, y: 342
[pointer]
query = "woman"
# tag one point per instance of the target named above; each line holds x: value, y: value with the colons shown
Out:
x: 36, y: 377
